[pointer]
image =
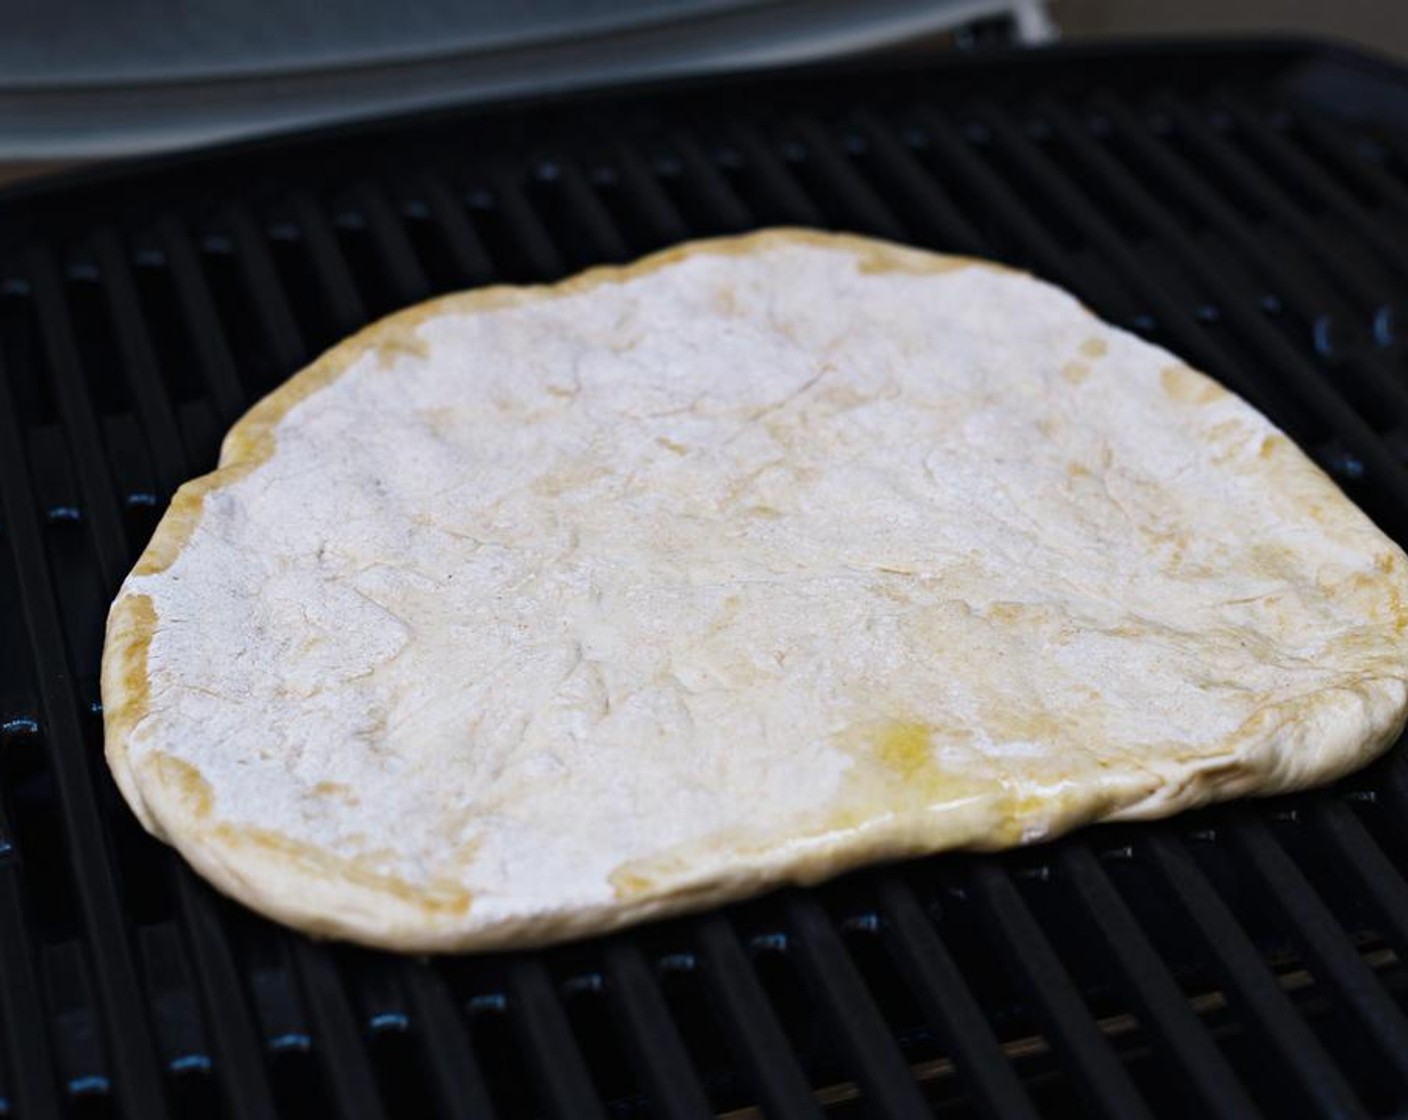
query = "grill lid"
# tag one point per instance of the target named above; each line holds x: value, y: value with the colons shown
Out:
x: 1244, y: 960
x: 92, y: 80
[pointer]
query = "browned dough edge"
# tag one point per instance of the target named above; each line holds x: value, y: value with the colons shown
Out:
x: 328, y: 896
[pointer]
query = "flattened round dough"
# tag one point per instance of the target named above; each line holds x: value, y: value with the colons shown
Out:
x: 528, y: 613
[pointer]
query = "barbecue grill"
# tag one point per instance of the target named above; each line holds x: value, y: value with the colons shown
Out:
x: 1244, y: 205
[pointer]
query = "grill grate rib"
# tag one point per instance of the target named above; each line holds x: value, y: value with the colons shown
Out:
x: 29, y: 1062
x: 949, y: 1004
x: 860, y: 1032
x: 1108, y: 1089
x: 128, y: 1036
x: 243, y: 1081
x: 653, y: 1043
x: 564, y: 1085
x: 339, y: 1043
x: 1249, y: 980
x: 1185, y: 1043
x: 453, y: 1066
x: 1327, y: 950
x: 1236, y: 962
x: 760, y: 1046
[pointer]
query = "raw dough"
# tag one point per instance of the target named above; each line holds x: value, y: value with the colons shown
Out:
x: 531, y: 612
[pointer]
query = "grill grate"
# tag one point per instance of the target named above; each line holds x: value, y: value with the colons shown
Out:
x: 1238, y: 961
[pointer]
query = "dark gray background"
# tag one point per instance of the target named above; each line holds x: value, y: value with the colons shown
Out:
x: 1378, y: 24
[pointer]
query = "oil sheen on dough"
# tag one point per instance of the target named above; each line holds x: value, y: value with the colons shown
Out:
x: 529, y: 613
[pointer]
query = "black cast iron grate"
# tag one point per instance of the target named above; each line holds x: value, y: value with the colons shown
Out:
x: 1246, y: 206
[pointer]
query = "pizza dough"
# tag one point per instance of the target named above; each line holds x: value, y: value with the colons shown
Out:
x: 531, y: 612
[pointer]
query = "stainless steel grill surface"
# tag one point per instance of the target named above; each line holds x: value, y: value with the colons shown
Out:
x: 1246, y: 206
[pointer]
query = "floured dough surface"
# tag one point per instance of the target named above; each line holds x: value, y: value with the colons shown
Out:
x: 528, y: 613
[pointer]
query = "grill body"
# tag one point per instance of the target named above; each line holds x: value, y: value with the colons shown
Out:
x: 1246, y: 206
